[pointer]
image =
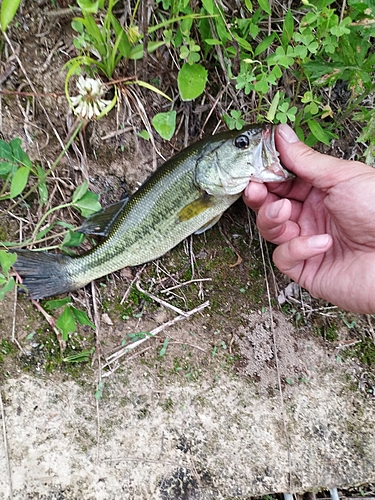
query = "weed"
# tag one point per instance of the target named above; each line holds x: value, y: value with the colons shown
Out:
x: 7, y: 12
x: 67, y: 322
x: 163, y: 350
x: 134, y: 337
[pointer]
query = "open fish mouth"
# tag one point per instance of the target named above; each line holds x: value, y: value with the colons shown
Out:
x: 270, y: 160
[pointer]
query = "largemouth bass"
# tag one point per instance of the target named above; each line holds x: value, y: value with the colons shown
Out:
x: 186, y: 195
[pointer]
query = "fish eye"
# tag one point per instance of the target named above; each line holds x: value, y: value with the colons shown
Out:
x: 241, y: 142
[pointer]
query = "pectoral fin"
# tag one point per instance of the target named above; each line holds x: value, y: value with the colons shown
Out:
x: 99, y: 224
x: 195, y: 208
x: 209, y: 224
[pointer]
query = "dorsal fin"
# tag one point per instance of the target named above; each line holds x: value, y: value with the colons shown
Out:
x: 100, y: 223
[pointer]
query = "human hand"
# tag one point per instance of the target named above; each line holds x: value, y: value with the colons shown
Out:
x: 323, y: 223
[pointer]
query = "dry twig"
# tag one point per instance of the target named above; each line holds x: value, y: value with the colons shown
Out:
x: 112, y: 361
x: 6, y: 447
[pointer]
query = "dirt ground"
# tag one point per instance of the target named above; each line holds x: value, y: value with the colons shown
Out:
x: 236, y: 399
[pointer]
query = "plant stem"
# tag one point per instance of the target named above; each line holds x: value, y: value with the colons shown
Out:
x: 54, y: 165
x: 53, y: 209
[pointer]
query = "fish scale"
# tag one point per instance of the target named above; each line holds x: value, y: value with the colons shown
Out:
x: 187, y: 194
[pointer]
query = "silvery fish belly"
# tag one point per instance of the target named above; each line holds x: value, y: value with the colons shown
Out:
x: 186, y: 195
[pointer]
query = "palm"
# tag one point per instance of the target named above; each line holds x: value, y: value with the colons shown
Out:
x: 346, y: 212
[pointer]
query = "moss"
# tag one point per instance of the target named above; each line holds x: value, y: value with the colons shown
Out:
x: 3, y: 234
x: 168, y: 405
x: 364, y: 351
x: 328, y: 332
x: 6, y: 348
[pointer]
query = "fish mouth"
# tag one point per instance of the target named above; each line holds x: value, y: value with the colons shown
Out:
x: 270, y: 156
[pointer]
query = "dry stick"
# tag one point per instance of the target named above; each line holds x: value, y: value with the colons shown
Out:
x: 160, y: 301
x: 6, y: 447
x: 277, y: 363
x: 214, y: 104
x: 98, y: 356
x: 117, y: 355
x: 126, y: 294
x: 166, y: 290
x: 15, y: 299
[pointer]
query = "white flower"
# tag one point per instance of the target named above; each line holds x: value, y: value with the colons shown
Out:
x: 89, y: 103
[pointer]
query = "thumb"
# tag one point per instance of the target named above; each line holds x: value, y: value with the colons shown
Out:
x: 322, y: 171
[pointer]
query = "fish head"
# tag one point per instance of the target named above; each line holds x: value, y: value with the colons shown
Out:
x: 232, y: 159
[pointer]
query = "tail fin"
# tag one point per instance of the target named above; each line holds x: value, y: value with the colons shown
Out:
x: 43, y: 274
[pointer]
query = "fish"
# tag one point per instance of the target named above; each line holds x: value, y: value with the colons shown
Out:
x: 187, y: 194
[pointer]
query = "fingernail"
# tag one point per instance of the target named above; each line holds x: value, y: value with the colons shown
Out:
x: 273, y: 209
x: 287, y: 133
x: 319, y: 241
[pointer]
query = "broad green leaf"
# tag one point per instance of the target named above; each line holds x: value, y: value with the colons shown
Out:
x: 319, y: 132
x: 163, y: 350
x: 8, y: 11
x: 191, y: 81
x: 7, y: 260
x: 19, y: 181
x: 92, y: 29
x: 89, y: 5
x: 137, y: 51
x: 264, y: 44
x: 288, y: 28
x: 8, y: 287
x: 212, y: 41
x: 19, y: 154
x: 42, y: 185
x: 44, y: 231
x: 262, y: 85
x: 73, y: 239
x: 6, y: 167
x: 165, y: 124
x: 88, y: 204
x: 209, y: 6
x: 5, y: 151
x: 123, y: 45
x: 82, y: 317
x: 243, y: 43
x: 79, y: 357
x: 253, y: 30
x: 80, y: 191
x: 99, y: 390
x: 272, y: 111
x: 66, y: 323
x: 249, y: 5
x: 144, y: 134
x: 51, y: 305
x: 264, y: 4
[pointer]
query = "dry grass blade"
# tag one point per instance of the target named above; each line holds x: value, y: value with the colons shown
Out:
x: 112, y: 361
x: 98, y: 357
x: 160, y: 301
x: 286, y: 434
x: 166, y: 290
x: 6, y: 447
